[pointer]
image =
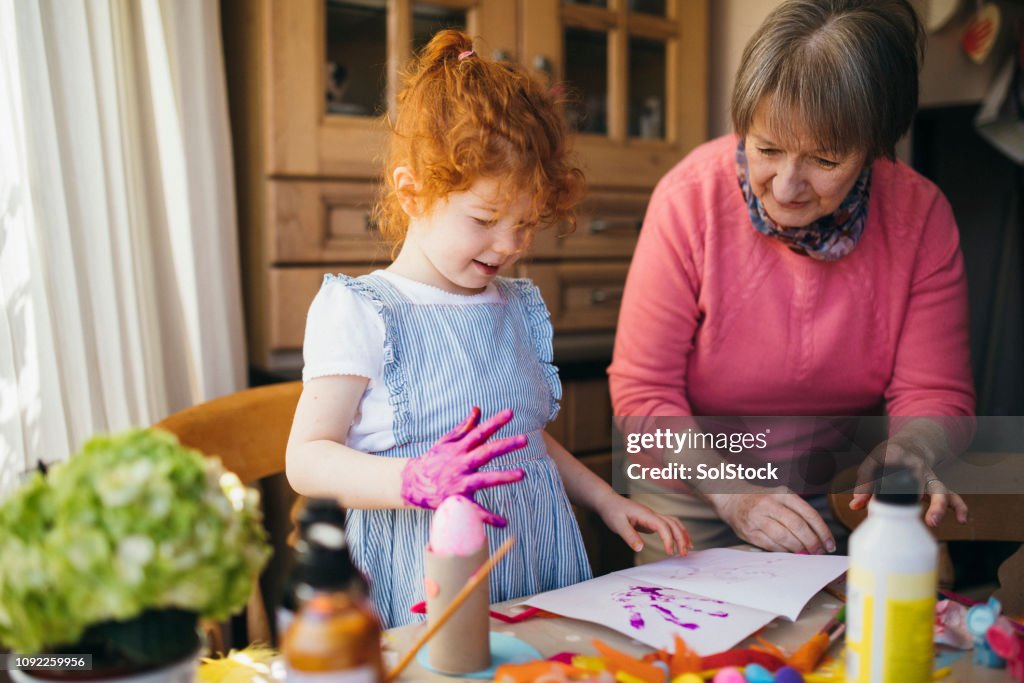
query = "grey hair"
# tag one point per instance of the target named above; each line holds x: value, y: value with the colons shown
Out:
x: 845, y: 69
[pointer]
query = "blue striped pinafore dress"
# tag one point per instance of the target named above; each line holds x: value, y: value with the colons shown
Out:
x: 439, y: 361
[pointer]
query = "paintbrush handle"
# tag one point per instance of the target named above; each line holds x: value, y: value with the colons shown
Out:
x: 837, y: 633
x: 435, y: 625
x: 838, y: 618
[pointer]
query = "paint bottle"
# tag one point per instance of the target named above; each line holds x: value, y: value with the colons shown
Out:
x: 308, y: 512
x: 891, y: 586
x: 334, y: 637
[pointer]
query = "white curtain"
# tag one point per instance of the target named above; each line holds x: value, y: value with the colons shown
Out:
x: 119, y: 282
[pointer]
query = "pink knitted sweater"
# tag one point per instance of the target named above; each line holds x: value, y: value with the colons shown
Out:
x: 718, y: 319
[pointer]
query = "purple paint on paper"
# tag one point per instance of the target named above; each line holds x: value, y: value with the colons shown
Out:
x: 638, y: 598
x: 673, y: 619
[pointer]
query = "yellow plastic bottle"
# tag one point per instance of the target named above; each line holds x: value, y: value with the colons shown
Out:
x: 891, y: 586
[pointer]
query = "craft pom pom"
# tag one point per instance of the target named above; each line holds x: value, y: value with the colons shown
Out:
x: 788, y: 674
x: 688, y: 678
x: 756, y: 673
x: 729, y: 675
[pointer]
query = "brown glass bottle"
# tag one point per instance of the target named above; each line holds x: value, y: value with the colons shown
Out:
x: 306, y: 513
x: 334, y: 637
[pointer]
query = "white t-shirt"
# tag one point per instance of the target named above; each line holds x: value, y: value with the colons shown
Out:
x: 345, y: 336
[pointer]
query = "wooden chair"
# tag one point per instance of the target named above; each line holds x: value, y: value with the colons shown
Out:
x: 991, y: 517
x: 248, y: 430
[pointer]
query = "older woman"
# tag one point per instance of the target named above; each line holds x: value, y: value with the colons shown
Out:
x: 797, y: 268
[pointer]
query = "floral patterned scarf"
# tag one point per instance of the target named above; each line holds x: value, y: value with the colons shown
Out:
x: 829, y: 238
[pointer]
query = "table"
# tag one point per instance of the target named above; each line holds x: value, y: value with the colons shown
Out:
x: 551, y: 636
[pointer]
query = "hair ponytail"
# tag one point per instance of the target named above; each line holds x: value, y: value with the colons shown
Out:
x: 444, y: 48
x: 461, y: 117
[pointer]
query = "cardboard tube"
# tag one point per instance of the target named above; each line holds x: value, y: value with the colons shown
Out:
x: 463, y: 644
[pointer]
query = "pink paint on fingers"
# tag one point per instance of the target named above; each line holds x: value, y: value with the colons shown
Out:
x: 483, y: 480
x: 491, y: 518
x: 450, y: 467
x: 488, y: 428
x: 470, y: 423
x: 482, y: 455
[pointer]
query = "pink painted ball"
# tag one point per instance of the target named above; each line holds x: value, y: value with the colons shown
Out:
x: 729, y: 674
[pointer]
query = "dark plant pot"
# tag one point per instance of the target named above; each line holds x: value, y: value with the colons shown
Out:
x: 154, y: 640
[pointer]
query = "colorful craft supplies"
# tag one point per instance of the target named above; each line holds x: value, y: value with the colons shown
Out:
x: 769, y: 660
x: 532, y: 671
x: 1008, y: 645
x: 621, y: 662
x: 806, y: 658
x: 684, y: 660
x: 683, y: 665
x: 980, y: 618
x: 756, y: 673
x: 688, y: 678
x: 788, y: 674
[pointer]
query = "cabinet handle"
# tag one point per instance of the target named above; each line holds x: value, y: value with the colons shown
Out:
x: 369, y: 223
x: 601, y: 225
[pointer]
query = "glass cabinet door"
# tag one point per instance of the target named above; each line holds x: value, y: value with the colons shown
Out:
x: 334, y: 67
x: 633, y: 72
x: 586, y: 80
x: 633, y: 75
x: 356, y: 57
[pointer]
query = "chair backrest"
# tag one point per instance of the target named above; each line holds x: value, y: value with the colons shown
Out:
x: 248, y: 430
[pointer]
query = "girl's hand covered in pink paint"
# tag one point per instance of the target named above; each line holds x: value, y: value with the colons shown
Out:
x: 450, y: 467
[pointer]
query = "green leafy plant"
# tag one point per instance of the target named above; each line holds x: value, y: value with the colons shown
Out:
x: 135, y: 534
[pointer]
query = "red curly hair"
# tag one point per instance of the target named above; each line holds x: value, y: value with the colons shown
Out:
x: 461, y: 117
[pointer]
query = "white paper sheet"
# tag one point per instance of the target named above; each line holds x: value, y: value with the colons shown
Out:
x: 780, y: 583
x: 653, y: 614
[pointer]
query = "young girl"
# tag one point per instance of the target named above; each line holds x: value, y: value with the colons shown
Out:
x: 395, y: 359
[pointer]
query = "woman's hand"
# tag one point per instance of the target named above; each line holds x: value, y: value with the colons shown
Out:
x: 777, y: 520
x: 916, y: 455
x: 626, y: 517
x: 450, y: 467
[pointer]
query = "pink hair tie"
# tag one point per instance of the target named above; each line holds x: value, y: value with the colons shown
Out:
x: 463, y: 55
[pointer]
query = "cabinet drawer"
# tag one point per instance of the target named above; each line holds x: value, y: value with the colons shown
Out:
x: 607, y: 226
x: 581, y: 296
x: 291, y: 292
x: 316, y: 221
